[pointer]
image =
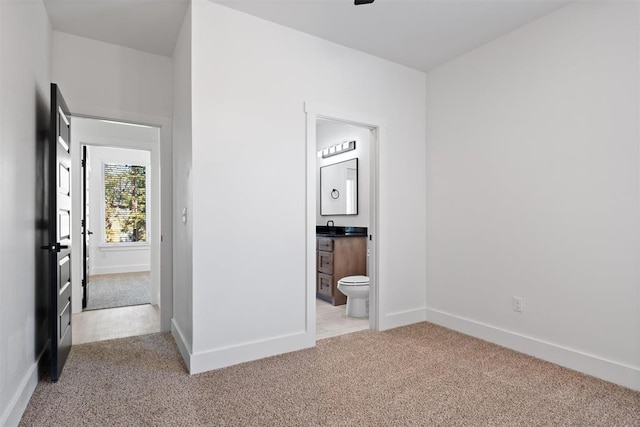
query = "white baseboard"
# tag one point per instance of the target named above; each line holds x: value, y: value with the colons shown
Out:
x: 246, y: 352
x: 624, y: 375
x: 183, y: 345
x: 18, y: 403
x: 135, y: 268
x: 401, y: 318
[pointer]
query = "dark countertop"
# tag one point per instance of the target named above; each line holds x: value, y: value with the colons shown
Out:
x: 338, y: 231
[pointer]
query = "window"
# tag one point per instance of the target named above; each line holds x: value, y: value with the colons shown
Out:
x: 125, y: 207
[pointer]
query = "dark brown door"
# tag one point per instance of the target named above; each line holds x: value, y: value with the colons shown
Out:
x: 59, y: 246
x: 86, y: 233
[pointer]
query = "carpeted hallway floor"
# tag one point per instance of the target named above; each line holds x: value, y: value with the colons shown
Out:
x: 416, y: 375
x: 118, y: 290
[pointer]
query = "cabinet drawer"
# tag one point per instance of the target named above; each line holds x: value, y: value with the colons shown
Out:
x: 324, y: 284
x: 325, y: 262
x: 325, y: 244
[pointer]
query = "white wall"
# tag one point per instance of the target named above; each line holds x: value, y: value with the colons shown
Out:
x: 94, y: 74
x: 104, y: 80
x: 182, y: 326
x: 122, y: 259
x: 249, y: 173
x: 330, y: 133
x: 532, y: 190
x: 25, y: 73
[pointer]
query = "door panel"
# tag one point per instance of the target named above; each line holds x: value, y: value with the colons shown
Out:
x: 65, y: 224
x: 65, y: 180
x: 59, y: 245
x: 64, y: 321
x: 64, y: 272
x: 63, y: 126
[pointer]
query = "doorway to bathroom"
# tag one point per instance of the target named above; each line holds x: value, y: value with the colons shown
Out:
x: 341, y: 222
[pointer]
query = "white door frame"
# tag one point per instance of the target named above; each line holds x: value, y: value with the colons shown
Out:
x: 313, y: 113
x: 155, y: 182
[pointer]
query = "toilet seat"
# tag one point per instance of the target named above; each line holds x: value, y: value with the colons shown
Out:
x: 354, y: 281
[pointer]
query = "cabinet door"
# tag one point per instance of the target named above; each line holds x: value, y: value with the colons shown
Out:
x: 324, y: 285
x: 325, y: 244
x: 325, y: 262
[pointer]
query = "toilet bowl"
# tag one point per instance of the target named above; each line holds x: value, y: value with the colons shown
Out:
x: 356, y: 289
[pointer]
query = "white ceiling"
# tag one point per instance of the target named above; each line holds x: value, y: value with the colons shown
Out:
x: 421, y: 34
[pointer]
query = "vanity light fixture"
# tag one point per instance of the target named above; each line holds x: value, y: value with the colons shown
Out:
x: 337, y: 149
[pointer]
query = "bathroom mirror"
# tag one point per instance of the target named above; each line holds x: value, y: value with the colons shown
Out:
x: 339, y: 188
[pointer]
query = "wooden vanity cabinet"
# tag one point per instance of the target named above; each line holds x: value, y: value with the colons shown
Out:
x: 338, y: 257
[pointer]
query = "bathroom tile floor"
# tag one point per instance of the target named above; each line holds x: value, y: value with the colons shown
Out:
x: 332, y: 321
x: 106, y: 324
x: 110, y: 323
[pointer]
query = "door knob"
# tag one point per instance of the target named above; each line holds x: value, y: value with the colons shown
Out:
x: 55, y: 247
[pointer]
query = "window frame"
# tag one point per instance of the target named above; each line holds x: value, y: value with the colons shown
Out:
x: 103, y: 245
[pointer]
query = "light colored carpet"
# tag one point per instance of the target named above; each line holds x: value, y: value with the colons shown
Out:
x: 416, y: 375
x: 118, y: 290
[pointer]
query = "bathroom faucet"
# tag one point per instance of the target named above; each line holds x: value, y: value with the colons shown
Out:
x: 332, y: 224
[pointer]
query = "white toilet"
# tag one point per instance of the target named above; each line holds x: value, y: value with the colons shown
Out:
x: 356, y: 288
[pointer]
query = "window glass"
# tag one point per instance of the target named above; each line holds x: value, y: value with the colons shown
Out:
x: 125, y: 194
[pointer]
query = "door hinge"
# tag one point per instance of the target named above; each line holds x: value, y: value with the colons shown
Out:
x: 82, y: 162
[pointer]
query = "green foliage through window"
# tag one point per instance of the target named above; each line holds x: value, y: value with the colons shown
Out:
x: 125, y: 193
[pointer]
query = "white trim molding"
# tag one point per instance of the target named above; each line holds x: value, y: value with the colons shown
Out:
x: 126, y: 246
x: 20, y: 400
x: 402, y: 318
x: 100, y: 133
x: 183, y: 345
x: 115, y: 269
x: 313, y: 112
x: 608, y: 370
x: 246, y: 352
x: 161, y: 155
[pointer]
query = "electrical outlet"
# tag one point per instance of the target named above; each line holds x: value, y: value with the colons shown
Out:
x: 518, y: 304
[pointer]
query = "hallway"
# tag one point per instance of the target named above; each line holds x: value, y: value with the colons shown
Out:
x: 111, y: 323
